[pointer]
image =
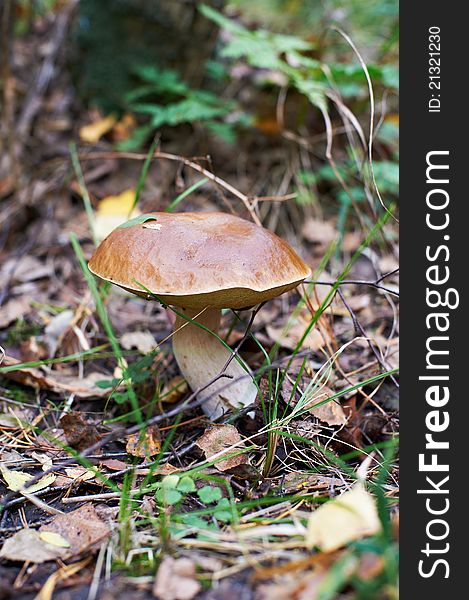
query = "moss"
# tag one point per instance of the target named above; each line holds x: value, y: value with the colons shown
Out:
x: 21, y: 331
x: 14, y: 391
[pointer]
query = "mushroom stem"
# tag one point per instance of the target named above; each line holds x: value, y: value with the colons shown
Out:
x: 201, y: 357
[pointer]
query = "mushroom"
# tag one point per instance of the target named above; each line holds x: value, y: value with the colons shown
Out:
x: 200, y: 263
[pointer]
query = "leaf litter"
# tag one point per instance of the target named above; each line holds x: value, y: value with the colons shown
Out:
x: 231, y: 524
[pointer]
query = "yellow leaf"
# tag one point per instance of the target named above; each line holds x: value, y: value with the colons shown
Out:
x: 16, y: 480
x: 79, y: 473
x: 351, y: 516
x: 117, y: 205
x: 54, y: 538
x: 93, y: 132
x: 112, y: 211
x: 46, y: 461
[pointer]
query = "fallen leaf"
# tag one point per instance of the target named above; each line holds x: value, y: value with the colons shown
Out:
x: 13, y: 310
x: 56, y: 329
x: 81, y: 528
x: 27, y: 545
x: 119, y: 204
x: 146, y: 443
x: 143, y: 341
x: 84, y: 387
x: 61, y: 574
x: 16, y: 419
x: 118, y: 465
x: 174, y: 390
x: 94, y: 131
x: 298, y: 480
x: 291, y: 336
x: 303, y: 587
x: 79, y: 473
x: 330, y: 412
x: 16, y: 480
x: 319, y: 232
x: 112, y: 211
x: 114, y: 464
x: 219, y: 438
x: 79, y: 433
x: 27, y: 268
x: 387, y: 264
x: 55, y: 539
x: 46, y: 461
x: 351, y: 241
x: 176, y: 580
x: 123, y: 129
x: 31, y: 350
x: 357, y: 302
x: 351, y: 516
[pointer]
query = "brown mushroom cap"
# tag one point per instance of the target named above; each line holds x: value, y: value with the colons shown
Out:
x: 194, y: 260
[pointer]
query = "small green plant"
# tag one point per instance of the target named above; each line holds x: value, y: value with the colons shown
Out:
x: 173, y: 490
x: 277, y: 52
x: 21, y: 330
x: 137, y: 372
x: 167, y: 100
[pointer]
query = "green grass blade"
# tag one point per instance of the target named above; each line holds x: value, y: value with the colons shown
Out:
x: 104, y: 317
x: 185, y: 193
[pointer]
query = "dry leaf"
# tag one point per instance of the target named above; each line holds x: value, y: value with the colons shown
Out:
x: 143, y: 341
x: 176, y: 580
x: 219, y: 438
x: 351, y: 516
x: 319, y: 232
x: 142, y: 444
x: 121, y: 204
x: 114, y: 464
x: 56, y: 329
x: 79, y: 433
x: 55, y: 539
x: 357, y: 302
x: 16, y: 480
x: 61, y: 574
x: 330, y: 412
x: 289, y: 338
x: 174, y: 390
x: 82, y: 387
x: 123, y: 129
x: 79, y: 473
x: 112, y: 211
x: 14, y: 309
x: 15, y: 419
x: 27, y: 545
x: 82, y: 528
x: 28, y: 268
x: 303, y: 587
x: 298, y: 480
x: 351, y: 241
x: 46, y: 461
x: 93, y: 132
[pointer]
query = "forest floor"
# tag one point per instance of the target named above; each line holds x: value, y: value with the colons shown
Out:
x: 180, y: 507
